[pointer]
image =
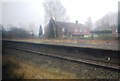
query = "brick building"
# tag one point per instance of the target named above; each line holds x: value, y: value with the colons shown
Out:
x: 59, y: 29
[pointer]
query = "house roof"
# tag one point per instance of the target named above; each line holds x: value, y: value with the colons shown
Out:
x: 71, y: 27
x: 67, y: 24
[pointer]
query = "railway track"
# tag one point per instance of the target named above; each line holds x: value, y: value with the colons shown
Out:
x: 78, y: 60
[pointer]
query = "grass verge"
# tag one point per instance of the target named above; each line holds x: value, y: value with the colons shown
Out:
x: 16, y: 69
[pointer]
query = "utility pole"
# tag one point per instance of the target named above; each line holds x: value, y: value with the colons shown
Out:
x: 118, y: 18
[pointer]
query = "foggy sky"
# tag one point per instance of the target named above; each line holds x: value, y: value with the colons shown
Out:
x: 31, y: 11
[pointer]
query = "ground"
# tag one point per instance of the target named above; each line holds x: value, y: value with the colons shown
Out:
x: 23, y: 65
x: 25, y: 70
x: 14, y: 68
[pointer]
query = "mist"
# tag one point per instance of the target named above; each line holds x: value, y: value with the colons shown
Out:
x: 24, y: 13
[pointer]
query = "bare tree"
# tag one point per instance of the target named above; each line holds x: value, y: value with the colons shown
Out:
x: 54, y: 9
x: 89, y: 22
x: 107, y: 20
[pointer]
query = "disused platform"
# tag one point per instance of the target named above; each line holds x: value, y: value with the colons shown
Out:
x: 69, y: 50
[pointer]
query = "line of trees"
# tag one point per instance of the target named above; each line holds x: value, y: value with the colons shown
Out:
x: 15, y: 32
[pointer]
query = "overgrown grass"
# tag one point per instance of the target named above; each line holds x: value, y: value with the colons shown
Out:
x: 8, y: 69
x: 96, y: 40
x: 16, y: 69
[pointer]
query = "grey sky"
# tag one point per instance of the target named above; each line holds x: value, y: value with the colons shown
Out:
x: 82, y: 9
x: 31, y: 11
